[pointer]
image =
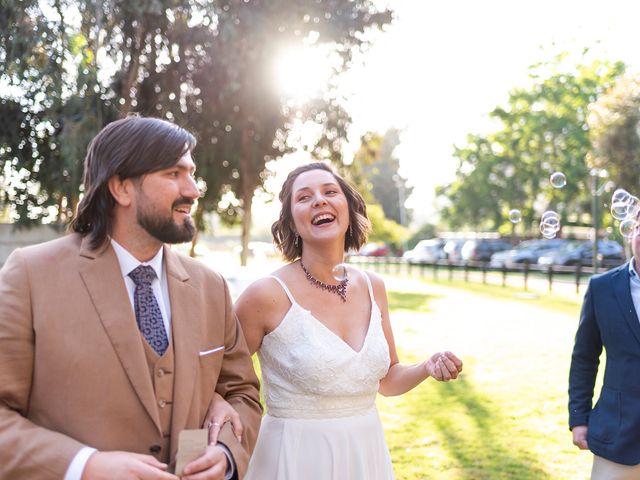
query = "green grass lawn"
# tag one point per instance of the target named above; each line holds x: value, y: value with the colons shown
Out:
x: 506, y: 416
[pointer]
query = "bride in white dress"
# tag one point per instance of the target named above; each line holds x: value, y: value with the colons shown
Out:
x: 326, y: 347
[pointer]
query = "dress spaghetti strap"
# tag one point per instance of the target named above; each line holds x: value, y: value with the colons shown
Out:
x: 366, y: 277
x: 286, y: 290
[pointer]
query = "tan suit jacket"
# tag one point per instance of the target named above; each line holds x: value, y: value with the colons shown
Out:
x: 72, y: 364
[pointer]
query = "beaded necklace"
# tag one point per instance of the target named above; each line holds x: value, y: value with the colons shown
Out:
x: 340, y: 289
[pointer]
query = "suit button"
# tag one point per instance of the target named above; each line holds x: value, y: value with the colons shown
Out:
x: 161, y: 373
x: 162, y: 403
x: 155, y: 449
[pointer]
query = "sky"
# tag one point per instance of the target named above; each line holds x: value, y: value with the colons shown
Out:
x: 441, y: 67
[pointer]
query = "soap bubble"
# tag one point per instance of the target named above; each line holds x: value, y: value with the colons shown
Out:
x: 558, y: 180
x: 628, y: 227
x: 515, y: 216
x: 624, y: 205
x: 620, y: 195
x: 340, y: 272
x: 619, y: 210
x: 549, y: 224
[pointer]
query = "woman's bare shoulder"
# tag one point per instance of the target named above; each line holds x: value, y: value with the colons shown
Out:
x: 265, y: 297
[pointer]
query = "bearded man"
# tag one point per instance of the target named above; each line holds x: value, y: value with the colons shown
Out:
x: 110, y: 342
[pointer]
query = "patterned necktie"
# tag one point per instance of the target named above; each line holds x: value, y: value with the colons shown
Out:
x: 147, y: 310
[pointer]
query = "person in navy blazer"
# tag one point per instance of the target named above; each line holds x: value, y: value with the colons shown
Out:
x: 609, y: 319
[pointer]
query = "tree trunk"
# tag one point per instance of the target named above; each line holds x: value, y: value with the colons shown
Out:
x: 198, y: 221
x: 247, y: 200
x: 194, y: 242
x: 247, y: 186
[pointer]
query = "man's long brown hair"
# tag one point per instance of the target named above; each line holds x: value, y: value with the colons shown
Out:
x: 127, y: 148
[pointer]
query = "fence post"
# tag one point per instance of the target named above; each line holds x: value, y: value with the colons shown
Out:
x: 550, y: 276
x: 484, y: 273
x: 435, y: 270
x: 504, y: 274
x: 578, y: 273
x: 466, y: 271
x: 450, y: 270
x: 526, y: 276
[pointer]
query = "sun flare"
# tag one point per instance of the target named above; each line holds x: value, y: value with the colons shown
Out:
x: 302, y: 72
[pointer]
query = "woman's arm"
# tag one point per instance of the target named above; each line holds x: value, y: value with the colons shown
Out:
x: 260, y: 309
x: 442, y: 366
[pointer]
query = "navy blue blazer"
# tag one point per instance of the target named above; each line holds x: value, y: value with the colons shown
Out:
x: 608, y: 319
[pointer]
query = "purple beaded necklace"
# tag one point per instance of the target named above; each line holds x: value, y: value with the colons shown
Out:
x: 340, y: 289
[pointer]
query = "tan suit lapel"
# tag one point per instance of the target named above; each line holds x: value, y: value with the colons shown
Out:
x: 102, y: 276
x: 185, y: 326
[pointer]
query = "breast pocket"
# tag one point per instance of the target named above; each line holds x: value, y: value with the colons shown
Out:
x: 211, y: 361
x: 604, y: 421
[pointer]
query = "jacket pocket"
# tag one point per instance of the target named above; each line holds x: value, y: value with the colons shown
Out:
x: 604, y: 421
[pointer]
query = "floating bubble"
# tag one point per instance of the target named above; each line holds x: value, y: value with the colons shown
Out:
x: 619, y: 210
x: 340, y: 272
x: 624, y: 205
x: 515, y: 216
x: 549, y: 224
x: 628, y: 228
x: 558, y: 180
x: 620, y: 195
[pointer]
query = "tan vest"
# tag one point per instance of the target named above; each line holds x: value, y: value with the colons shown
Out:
x: 161, y: 370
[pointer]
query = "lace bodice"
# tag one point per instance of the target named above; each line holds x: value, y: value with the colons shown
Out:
x: 310, y: 372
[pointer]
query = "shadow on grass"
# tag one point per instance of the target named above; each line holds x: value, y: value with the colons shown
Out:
x: 476, y: 435
x: 415, y: 302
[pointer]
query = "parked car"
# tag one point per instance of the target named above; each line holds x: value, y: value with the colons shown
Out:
x: 374, y: 249
x: 452, y: 248
x: 580, y: 252
x: 426, y: 251
x: 481, y: 249
x: 525, y: 252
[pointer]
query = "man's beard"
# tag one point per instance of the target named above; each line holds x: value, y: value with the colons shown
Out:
x: 166, y: 229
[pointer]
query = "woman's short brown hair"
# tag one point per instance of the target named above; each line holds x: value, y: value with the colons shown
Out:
x: 283, y: 231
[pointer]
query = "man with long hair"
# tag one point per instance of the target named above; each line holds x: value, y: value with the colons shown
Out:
x: 111, y: 343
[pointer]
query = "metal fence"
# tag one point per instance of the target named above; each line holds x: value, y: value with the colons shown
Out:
x: 519, y: 274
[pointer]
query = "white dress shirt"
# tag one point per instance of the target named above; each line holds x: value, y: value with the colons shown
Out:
x: 634, y: 284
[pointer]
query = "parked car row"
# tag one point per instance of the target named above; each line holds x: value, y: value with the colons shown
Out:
x: 474, y: 250
x: 500, y: 253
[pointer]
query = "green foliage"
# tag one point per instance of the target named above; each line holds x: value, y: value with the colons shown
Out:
x: 206, y: 65
x: 381, y: 174
x: 383, y: 229
x: 425, y: 232
x: 614, y: 125
x: 542, y: 130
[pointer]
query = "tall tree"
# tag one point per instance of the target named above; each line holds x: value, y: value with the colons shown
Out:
x: 388, y: 187
x: 50, y: 106
x: 542, y: 130
x: 206, y: 64
x: 614, y: 125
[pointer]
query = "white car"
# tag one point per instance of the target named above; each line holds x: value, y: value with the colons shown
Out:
x: 425, y: 251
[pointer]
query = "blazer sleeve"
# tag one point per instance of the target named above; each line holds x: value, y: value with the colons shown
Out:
x: 239, y: 385
x: 27, y: 450
x: 584, y: 362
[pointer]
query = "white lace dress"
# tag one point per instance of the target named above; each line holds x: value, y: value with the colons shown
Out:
x: 321, y: 421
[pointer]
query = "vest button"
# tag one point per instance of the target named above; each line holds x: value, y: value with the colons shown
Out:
x: 161, y: 373
x: 162, y: 403
x: 155, y: 449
